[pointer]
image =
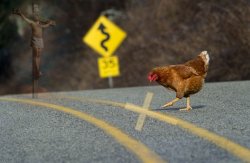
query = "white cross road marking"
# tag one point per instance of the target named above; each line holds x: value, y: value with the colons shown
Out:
x: 142, y: 117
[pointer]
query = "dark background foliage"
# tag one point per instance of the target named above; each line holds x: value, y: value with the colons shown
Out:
x: 159, y: 33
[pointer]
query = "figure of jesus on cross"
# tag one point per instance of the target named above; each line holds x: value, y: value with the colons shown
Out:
x: 37, y: 44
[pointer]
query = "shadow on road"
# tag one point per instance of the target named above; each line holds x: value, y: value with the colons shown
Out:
x: 178, y: 108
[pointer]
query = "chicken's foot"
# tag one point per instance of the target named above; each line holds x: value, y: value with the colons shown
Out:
x: 188, y: 108
x: 171, y: 103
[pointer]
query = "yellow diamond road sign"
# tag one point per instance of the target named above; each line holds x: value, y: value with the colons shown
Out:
x: 104, y: 36
x: 108, y: 66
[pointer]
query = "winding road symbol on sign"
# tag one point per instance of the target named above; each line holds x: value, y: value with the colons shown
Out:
x: 104, y: 37
x: 102, y: 29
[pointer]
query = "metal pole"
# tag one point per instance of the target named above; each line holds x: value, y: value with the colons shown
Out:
x: 111, y: 82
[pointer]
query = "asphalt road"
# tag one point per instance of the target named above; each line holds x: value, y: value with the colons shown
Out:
x: 87, y: 126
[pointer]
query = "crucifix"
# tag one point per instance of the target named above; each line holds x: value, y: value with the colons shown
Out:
x: 37, y: 44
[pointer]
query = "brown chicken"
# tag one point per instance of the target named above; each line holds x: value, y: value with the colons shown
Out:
x: 185, y: 79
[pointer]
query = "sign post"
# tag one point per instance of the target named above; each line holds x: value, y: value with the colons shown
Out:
x: 111, y: 84
x: 105, y: 37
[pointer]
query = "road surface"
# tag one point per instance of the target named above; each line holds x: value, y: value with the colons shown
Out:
x: 99, y: 126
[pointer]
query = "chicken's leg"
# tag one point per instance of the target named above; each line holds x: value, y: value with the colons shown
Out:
x: 170, y: 103
x: 188, y: 108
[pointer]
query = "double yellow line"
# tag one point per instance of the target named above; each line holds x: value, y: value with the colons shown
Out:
x: 139, y: 149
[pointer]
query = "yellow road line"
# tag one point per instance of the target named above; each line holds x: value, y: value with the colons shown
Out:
x: 139, y: 149
x: 236, y: 149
